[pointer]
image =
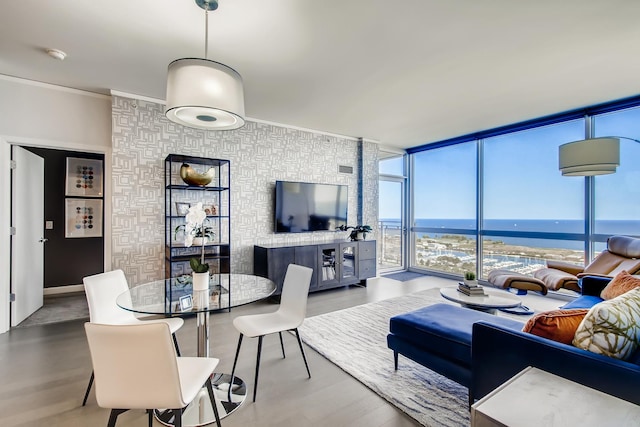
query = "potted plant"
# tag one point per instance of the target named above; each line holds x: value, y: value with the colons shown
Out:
x: 470, y: 278
x: 359, y: 232
x: 194, y: 228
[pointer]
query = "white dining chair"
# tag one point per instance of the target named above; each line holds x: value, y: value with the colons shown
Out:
x: 288, y: 317
x: 102, y: 290
x: 136, y: 367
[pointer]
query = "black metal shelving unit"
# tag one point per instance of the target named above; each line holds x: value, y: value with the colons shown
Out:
x: 216, y: 194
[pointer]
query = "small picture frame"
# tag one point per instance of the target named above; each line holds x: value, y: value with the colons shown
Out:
x: 182, y: 208
x: 83, y: 177
x: 211, y: 210
x: 186, y: 303
x: 83, y: 218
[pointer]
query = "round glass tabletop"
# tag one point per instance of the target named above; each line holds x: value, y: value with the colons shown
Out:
x: 175, y: 297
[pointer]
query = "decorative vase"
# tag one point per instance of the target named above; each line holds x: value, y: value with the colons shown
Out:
x: 470, y: 282
x: 361, y: 235
x: 191, y: 177
x: 200, y: 281
x: 198, y: 241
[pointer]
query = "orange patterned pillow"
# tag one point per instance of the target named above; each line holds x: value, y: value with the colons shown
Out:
x: 556, y: 325
x: 621, y: 284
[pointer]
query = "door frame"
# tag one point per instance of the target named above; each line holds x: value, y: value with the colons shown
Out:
x: 5, y: 208
x: 403, y: 221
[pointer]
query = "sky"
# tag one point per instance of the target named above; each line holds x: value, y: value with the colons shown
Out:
x: 521, y: 176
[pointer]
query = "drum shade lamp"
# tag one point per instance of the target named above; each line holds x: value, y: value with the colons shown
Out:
x: 589, y: 157
x: 204, y: 94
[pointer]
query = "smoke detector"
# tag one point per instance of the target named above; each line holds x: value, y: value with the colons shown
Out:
x: 57, y: 54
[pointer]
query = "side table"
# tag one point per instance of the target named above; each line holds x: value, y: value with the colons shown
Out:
x: 536, y: 398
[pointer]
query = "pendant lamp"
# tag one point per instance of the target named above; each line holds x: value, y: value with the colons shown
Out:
x: 204, y: 94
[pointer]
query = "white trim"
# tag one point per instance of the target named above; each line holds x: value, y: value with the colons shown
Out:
x: 53, y: 87
x: 5, y: 190
x: 138, y: 97
x: 57, y: 290
x: 250, y: 119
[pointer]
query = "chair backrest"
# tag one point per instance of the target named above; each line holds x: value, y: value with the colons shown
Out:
x: 622, y: 253
x: 101, y: 291
x: 295, y: 290
x: 135, y: 366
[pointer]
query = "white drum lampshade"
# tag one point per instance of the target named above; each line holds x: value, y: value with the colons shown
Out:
x: 596, y: 156
x: 204, y: 94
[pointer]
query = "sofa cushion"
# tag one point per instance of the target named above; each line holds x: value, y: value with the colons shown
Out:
x: 585, y: 301
x: 556, y: 325
x: 620, y: 284
x: 612, y: 327
x: 444, y: 329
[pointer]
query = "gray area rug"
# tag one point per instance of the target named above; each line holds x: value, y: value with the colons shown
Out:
x: 404, y: 276
x: 59, y: 308
x: 355, y: 340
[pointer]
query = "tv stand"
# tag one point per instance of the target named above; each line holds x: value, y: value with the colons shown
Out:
x: 335, y: 264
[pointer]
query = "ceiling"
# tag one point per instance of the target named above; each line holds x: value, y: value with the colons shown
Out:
x: 403, y: 73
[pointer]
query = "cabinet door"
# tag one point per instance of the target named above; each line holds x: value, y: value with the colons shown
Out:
x: 279, y: 260
x: 308, y: 257
x: 328, y: 265
x: 349, y: 263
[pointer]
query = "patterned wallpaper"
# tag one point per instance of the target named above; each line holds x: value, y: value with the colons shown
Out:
x: 259, y: 154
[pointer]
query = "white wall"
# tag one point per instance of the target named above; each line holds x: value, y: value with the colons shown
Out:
x: 41, y: 115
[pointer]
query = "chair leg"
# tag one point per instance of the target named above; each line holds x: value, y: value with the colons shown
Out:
x: 86, y: 393
x: 255, y: 386
x: 395, y: 360
x: 175, y: 343
x: 213, y: 401
x: 177, y: 420
x: 114, y: 416
x: 282, y: 345
x: 150, y: 414
x: 233, y: 371
x: 304, y: 357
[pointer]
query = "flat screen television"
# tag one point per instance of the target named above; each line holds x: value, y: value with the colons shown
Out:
x: 303, y: 207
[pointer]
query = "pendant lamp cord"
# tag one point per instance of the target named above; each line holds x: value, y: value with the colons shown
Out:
x: 206, y: 34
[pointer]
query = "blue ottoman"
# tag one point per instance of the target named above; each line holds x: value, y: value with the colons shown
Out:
x: 439, y: 337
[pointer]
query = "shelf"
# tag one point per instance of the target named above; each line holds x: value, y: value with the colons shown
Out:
x: 208, y: 216
x: 194, y: 187
x: 179, y: 158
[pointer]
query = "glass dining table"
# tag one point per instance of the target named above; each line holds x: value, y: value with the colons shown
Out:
x: 176, y: 297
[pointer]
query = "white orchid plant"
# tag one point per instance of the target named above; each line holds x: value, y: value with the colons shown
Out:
x: 195, y: 227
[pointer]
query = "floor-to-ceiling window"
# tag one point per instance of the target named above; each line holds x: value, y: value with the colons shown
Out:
x: 617, y: 196
x: 391, y: 211
x: 496, y: 199
x: 444, y: 208
x: 530, y: 212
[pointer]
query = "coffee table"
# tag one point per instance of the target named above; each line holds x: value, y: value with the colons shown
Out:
x: 493, y: 300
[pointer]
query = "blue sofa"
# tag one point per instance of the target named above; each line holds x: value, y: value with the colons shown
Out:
x: 482, y: 351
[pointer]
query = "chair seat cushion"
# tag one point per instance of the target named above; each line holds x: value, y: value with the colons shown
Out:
x: 557, y: 279
x: 510, y: 279
x: 445, y: 329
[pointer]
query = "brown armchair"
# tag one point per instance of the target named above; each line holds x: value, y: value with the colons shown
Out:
x: 622, y: 253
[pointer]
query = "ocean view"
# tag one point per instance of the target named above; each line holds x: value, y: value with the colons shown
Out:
x: 445, y: 251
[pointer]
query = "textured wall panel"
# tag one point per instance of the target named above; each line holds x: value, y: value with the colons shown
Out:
x: 259, y: 153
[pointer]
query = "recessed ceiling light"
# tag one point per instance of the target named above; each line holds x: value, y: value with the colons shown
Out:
x: 56, y: 53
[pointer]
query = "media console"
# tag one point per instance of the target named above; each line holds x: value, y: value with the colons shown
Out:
x: 334, y: 264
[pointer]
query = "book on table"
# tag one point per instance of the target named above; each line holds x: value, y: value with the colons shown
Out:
x: 471, y: 290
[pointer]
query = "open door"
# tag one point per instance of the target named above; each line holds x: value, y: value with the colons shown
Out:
x: 27, y: 244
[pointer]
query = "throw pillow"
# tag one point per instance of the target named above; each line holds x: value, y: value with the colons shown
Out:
x: 619, y: 285
x: 556, y: 325
x: 612, y: 327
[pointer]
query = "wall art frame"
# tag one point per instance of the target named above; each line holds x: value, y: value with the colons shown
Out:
x: 84, y: 177
x: 83, y: 218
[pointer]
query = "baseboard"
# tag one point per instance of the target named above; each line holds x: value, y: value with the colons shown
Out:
x: 63, y: 289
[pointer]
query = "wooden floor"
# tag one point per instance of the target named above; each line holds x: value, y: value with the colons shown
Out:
x: 44, y: 371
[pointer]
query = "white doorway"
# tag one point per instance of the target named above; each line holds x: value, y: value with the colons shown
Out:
x: 27, y: 229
